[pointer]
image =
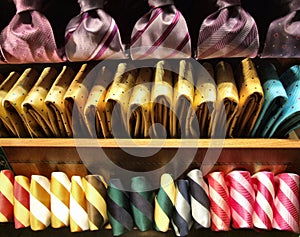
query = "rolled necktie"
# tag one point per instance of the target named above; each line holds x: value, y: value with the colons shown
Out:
x: 283, y: 36
x: 139, y: 120
x: 251, y: 100
x: 161, y: 100
x: 117, y: 100
x: 229, y: 32
x: 14, y: 99
x: 93, y: 34
x: 56, y: 106
x: 161, y: 33
x: 6, y: 195
x: 183, y: 98
x: 274, y: 101
x: 35, y: 110
x: 29, y: 37
x: 289, y: 118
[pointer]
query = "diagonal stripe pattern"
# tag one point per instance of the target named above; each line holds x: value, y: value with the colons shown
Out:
x: 6, y: 195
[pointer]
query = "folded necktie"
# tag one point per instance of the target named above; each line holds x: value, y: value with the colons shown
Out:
x: 139, y: 105
x: 275, y: 99
x: 93, y: 34
x: 283, y: 37
x: 161, y: 33
x: 289, y: 119
x: 229, y: 32
x: 251, y: 100
x: 29, y: 37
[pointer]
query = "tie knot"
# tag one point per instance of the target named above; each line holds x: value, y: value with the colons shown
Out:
x: 228, y: 3
x: 28, y: 5
x: 87, y: 5
x: 160, y: 3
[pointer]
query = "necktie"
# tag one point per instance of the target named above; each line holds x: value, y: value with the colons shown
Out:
x: 182, y: 217
x: 79, y: 220
x: 93, y: 34
x: 229, y: 32
x: 289, y: 118
x: 29, y: 38
x: 286, y: 203
x: 56, y: 106
x: 251, y: 99
x: 141, y: 200
x: 283, y: 36
x: 241, y: 198
x: 6, y: 195
x: 161, y: 33
x: 275, y: 99
x: 164, y: 203
x: 39, y: 202
x: 95, y: 192
x: 219, y: 202
x: 60, y: 186
x: 199, y: 199
x: 21, y: 202
x: 118, y: 208
x: 264, y: 200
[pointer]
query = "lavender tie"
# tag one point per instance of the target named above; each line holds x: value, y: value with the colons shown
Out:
x: 93, y: 34
x: 283, y: 37
x: 229, y: 32
x: 162, y: 27
x: 29, y: 37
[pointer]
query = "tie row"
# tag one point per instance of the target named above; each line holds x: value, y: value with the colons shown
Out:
x: 174, y: 99
x: 219, y: 201
x: 161, y: 33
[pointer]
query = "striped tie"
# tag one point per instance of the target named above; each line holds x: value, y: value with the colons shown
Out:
x: 95, y: 191
x: 79, y: 220
x: 286, y: 204
x: 118, y: 208
x: 264, y: 200
x: 219, y: 201
x: 141, y: 200
x: 241, y: 199
x: 60, y: 198
x: 182, y: 217
x: 21, y: 202
x: 39, y: 202
x: 6, y: 195
x: 199, y: 199
x: 164, y: 203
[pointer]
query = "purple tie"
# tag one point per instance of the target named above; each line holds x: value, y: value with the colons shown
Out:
x: 161, y: 33
x: 93, y: 34
x: 283, y: 37
x: 29, y: 37
x: 229, y: 32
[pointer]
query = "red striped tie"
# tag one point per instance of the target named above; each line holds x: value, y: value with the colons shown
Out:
x: 6, y: 196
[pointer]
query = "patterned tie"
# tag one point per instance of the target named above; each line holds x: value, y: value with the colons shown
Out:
x: 39, y: 202
x: 219, y: 202
x: 182, y: 220
x: 286, y: 204
x: 264, y: 200
x: 229, y: 32
x: 95, y: 192
x: 275, y: 99
x: 21, y: 202
x: 161, y: 33
x: 118, y: 208
x: 241, y: 199
x: 141, y: 200
x: 199, y: 199
x: 6, y: 195
x: 93, y: 34
x: 283, y: 37
x: 164, y: 203
x: 29, y: 37
x: 79, y: 220
x: 60, y: 198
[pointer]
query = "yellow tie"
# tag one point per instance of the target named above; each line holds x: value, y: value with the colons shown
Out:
x: 6, y: 195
